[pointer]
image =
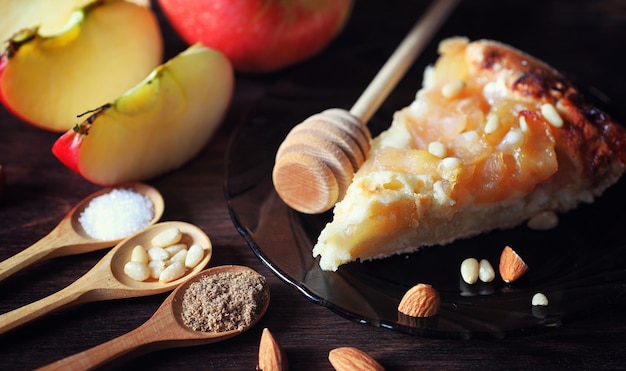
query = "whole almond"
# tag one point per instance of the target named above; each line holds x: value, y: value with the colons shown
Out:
x: 422, y: 300
x: 271, y: 355
x: 512, y: 267
x: 350, y: 359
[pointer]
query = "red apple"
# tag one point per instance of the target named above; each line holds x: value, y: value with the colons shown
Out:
x: 259, y: 35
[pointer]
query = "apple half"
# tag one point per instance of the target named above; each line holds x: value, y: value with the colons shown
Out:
x: 262, y: 35
x: 155, y: 127
x: 106, y: 48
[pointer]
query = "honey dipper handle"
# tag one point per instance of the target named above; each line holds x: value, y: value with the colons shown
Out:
x: 401, y: 59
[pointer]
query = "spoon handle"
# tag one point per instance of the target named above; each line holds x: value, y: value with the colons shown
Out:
x: 36, y: 252
x: 61, y: 241
x: 108, y: 351
x: 161, y: 331
x: 63, y: 298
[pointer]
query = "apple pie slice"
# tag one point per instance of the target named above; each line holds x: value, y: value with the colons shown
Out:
x: 493, y: 138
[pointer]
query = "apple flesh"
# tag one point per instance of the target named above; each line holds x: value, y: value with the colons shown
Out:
x: 106, y: 48
x: 155, y: 127
x: 259, y: 35
x: 49, y: 16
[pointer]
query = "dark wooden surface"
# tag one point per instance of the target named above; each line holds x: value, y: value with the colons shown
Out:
x: 584, y: 38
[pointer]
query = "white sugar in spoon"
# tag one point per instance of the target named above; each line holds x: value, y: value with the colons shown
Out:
x: 69, y: 237
x: 317, y: 160
x: 165, y: 329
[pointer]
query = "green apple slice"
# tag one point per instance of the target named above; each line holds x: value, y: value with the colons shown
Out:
x: 155, y: 127
x: 106, y: 47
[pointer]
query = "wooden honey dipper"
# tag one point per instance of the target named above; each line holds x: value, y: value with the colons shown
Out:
x: 318, y: 158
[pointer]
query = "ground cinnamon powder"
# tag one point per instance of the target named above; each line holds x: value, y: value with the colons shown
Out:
x: 224, y: 301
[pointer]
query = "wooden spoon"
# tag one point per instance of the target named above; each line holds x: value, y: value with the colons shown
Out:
x: 314, y: 167
x: 107, y: 280
x: 165, y: 329
x: 69, y: 237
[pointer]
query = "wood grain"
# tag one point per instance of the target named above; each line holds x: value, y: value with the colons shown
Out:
x: 583, y: 38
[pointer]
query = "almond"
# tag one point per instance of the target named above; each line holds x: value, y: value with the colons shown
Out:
x: 512, y: 266
x: 422, y: 300
x: 271, y: 355
x: 350, y: 359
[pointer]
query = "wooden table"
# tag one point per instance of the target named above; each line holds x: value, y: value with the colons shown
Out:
x: 584, y: 38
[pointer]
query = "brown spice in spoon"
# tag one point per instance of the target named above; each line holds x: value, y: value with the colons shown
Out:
x: 223, y: 302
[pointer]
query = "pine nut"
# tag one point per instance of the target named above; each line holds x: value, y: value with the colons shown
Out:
x: 180, y: 256
x: 174, y: 249
x: 139, y: 254
x: 437, y: 149
x: 138, y: 271
x: 470, y: 270
x: 551, y: 115
x: 486, y: 273
x: 492, y: 124
x: 167, y: 237
x: 523, y: 125
x: 172, y: 272
x: 539, y: 299
x: 453, y: 88
x: 511, y: 141
x: 156, y: 267
x: 194, y: 256
x: 158, y: 253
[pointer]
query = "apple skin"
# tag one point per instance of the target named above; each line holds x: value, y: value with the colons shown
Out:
x: 259, y: 36
x: 155, y: 127
x: 106, y: 47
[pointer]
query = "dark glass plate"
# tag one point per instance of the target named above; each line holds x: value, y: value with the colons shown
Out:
x: 579, y: 266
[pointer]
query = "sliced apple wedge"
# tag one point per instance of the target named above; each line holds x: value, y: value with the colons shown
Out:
x: 49, y: 16
x: 155, y: 127
x: 107, y: 47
